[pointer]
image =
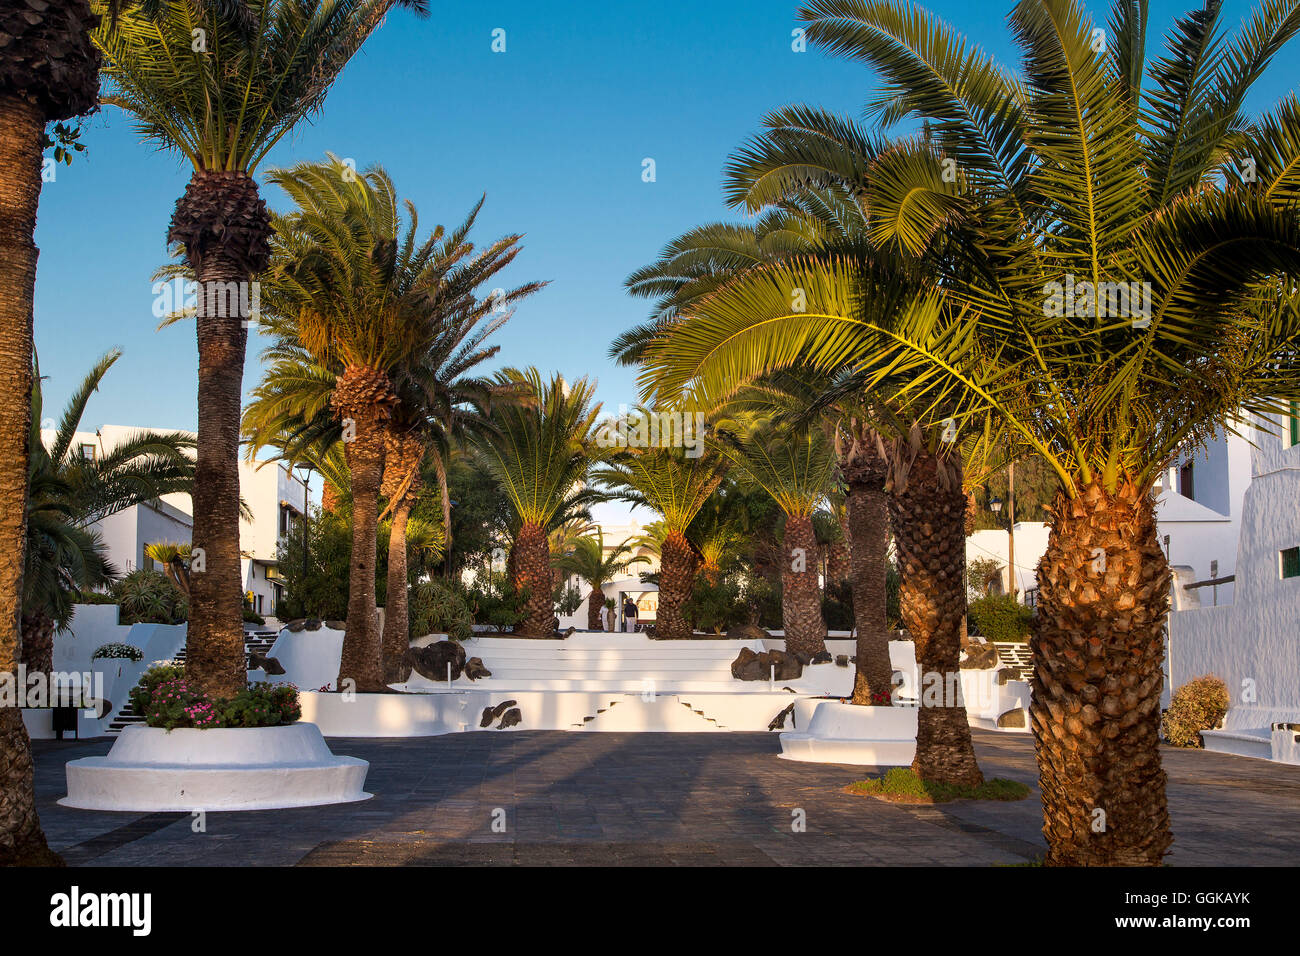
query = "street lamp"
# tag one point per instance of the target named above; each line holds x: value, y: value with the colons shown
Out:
x: 996, y: 507
x: 306, y: 468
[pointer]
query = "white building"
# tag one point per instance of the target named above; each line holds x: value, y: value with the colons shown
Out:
x: 1252, y: 641
x: 275, y: 497
x: 994, y: 544
x: 1198, y: 519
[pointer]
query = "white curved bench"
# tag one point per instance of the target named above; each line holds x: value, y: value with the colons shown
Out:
x: 853, y: 734
x: 252, y: 768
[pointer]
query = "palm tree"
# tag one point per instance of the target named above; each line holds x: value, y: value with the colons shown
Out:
x: 1105, y: 169
x: 70, y: 492
x: 676, y: 486
x: 223, y: 101
x: 1065, y: 176
x: 795, y: 468
x: 590, y: 560
x: 800, y: 218
x: 392, y: 328
x: 539, y: 454
x: 757, y: 325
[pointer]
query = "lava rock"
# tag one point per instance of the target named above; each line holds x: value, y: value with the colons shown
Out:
x: 841, y: 660
x: 337, y: 625
x: 778, y: 722
x: 257, y: 662
x: 751, y: 666
x: 492, y: 713
x: 431, y: 661
x: 474, y: 669
x: 512, y: 716
x: 747, y: 632
x: 980, y: 657
x: 1012, y: 718
x: 822, y: 657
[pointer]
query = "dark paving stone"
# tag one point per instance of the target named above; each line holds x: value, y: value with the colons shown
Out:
x: 655, y: 800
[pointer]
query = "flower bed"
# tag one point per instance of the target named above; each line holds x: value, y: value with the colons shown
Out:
x: 165, y: 699
x: 116, y: 650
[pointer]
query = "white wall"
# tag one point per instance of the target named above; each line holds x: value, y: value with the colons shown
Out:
x: 1031, y: 543
x: 1205, y: 528
x: 1253, y: 644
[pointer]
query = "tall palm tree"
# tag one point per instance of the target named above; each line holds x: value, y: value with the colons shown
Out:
x: 49, y: 71
x: 676, y: 486
x: 223, y: 101
x: 795, y: 468
x: 589, y: 559
x: 539, y: 453
x: 393, y: 326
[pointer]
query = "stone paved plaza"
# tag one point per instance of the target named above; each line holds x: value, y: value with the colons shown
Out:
x: 655, y: 799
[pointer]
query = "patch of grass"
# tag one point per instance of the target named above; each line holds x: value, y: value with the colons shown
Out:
x: 902, y: 785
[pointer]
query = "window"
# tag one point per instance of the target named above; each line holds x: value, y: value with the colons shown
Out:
x: 1291, y: 563
x: 1294, y: 424
x: 1186, y: 485
x: 87, y: 452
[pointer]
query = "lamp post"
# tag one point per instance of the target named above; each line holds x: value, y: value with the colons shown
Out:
x: 996, y: 506
x: 306, y: 468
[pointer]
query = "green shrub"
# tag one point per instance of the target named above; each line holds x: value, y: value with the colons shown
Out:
x: 1000, y: 617
x: 94, y: 597
x: 149, y: 597
x: 716, y: 607
x: 439, y: 608
x: 1200, y: 704
x: 837, y: 606
x: 496, y: 603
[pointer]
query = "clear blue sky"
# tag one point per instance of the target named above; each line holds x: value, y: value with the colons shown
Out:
x: 554, y: 130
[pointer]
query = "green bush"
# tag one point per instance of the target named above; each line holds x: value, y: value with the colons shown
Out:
x: 837, y: 606
x: 1000, y: 617
x: 149, y: 597
x: 165, y: 699
x: 94, y: 597
x: 716, y: 607
x: 496, y: 603
x: 439, y: 608
x: 1200, y: 704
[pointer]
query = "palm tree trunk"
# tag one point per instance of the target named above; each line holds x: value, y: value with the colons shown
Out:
x: 440, y: 469
x: 360, y: 659
x: 397, y: 618
x: 595, y: 604
x: 21, y: 128
x: 1098, y: 652
x: 38, y: 642
x: 214, y: 657
x: 801, y: 599
x: 676, y: 576
x: 928, y: 512
x: 868, y: 531
x: 531, y: 558
x: 329, y: 498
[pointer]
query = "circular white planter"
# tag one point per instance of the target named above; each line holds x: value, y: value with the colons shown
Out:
x: 253, y: 768
x: 854, y: 734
